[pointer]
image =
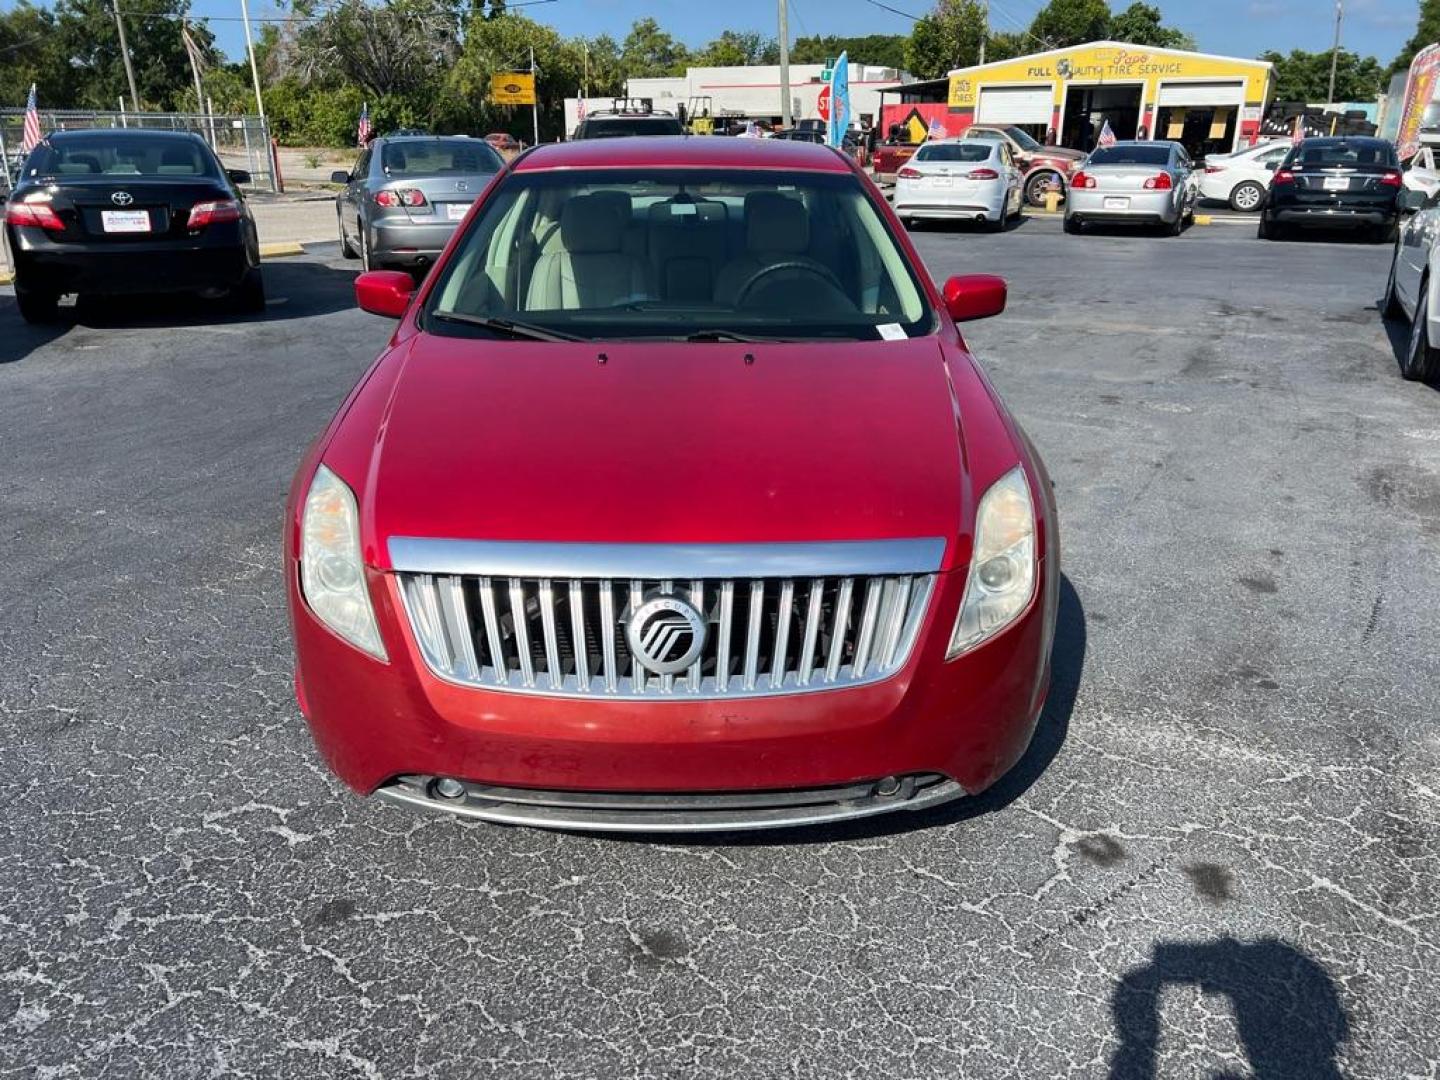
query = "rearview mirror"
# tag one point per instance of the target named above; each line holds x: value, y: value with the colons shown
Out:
x: 1410, y: 200
x: 974, y: 296
x: 339, y: 176
x: 384, y: 292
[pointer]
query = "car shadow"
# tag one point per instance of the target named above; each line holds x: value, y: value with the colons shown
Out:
x: 1067, y: 663
x: 956, y: 225
x: 295, y: 289
x: 1288, y: 1012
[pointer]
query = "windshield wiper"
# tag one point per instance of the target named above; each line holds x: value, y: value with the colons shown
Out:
x: 724, y: 335
x: 506, y: 326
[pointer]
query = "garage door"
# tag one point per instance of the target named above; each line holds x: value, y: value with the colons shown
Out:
x: 1015, y: 105
x: 1203, y: 93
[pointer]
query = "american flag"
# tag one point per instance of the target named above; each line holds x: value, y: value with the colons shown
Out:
x: 936, y: 129
x: 1106, y: 137
x: 1298, y: 136
x: 363, y: 133
x: 580, y: 109
x: 31, y: 138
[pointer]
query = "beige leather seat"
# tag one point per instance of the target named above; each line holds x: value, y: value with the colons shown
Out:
x: 591, y: 267
x: 777, y: 230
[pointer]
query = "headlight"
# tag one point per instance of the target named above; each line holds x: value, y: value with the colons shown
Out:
x: 332, y: 574
x: 1002, y: 567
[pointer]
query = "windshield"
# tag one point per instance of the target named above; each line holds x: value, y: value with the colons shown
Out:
x: 966, y: 151
x: 1156, y: 154
x: 1025, y: 141
x: 437, y: 157
x: 636, y: 253
x: 1369, y: 153
x: 103, y: 155
x: 616, y: 127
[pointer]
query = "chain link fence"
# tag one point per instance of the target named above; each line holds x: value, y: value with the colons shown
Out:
x: 241, y: 142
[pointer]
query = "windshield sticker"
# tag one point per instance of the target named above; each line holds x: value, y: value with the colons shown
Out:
x: 892, y: 331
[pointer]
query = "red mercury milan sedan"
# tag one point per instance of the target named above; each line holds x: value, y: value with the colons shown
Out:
x: 676, y: 502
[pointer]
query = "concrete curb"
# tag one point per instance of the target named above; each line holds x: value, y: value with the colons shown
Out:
x: 6, y: 277
x: 275, y: 251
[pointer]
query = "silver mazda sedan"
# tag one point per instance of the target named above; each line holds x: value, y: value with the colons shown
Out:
x: 407, y: 194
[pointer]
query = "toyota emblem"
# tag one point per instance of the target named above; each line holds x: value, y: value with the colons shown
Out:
x: 122, y: 198
x: 666, y: 635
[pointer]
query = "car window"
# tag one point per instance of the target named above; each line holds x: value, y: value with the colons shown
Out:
x: 975, y: 151
x: 1005, y: 155
x: 438, y: 157
x: 1274, y: 156
x: 1354, y: 154
x: 1155, y: 154
x: 362, y: 164
x: 631, y: 253
x: 1023, y: 139
x: 105, y: 155
x: 610, y: 127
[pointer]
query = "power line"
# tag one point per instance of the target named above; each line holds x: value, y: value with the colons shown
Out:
x: 895, y: 11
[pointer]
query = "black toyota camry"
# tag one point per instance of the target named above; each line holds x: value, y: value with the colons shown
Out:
x: 1327, y: 183
x: 128, y: 211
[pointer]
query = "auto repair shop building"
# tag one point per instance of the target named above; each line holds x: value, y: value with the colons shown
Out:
x: 1212, y: 104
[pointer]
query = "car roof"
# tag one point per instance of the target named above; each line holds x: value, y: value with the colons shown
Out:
x: 1341, y: 140
x: 983, y: 140
x: 684, y: 151
x: 1167, y: 143
x: 121, y: 133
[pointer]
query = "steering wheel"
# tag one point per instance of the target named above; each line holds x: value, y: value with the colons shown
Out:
x: 821, y: 272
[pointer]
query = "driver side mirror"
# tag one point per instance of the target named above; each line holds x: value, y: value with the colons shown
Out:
x: 384, y: 292
x: 974, y: 296
x: 238, y: 176
x: 340, y: 176
x: 1410, y: 200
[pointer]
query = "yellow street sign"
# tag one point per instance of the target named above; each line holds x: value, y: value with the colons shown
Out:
x: 513, y: 88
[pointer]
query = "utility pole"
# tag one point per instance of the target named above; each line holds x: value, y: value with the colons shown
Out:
x: 254, y: 68
x: 125, y: 54
x: 984, y: 31
x: 1334, y: 53
x: 534, y: 97
x: 785, y: 117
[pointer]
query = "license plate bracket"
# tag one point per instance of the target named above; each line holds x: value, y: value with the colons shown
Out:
x: 455, y: 211
x: 1336, y: 183
x: 1117, y: 202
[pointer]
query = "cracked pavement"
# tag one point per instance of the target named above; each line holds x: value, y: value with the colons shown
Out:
x: 1218, y: 859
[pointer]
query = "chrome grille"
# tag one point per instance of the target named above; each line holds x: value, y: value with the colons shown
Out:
x: 765, y: 635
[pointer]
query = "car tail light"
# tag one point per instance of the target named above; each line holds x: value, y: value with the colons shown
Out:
x: 983, y: 174
x: 1082, y: 179
x: 1283, y: 176
x: 213, y: 213
x: 41, y: 215
x: 1392, y: 179
x: 1214, y: 168
x: 908, y: 173
x: 1159, y: 182
x: 400, y: 197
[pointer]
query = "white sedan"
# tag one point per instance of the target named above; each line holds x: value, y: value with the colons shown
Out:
x: 960, y: 180
x: 1242, y: 178
x: 1410, y: 294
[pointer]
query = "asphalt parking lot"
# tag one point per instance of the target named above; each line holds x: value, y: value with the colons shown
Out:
x: 1219, y: 858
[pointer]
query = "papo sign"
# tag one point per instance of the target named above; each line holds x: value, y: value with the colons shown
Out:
x: 513, y: 88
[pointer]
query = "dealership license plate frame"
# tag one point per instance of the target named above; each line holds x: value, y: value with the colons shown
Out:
x: 1117, y: 202
x: 456, y: 211
x: 125, y: 221
x: 1335, y: 183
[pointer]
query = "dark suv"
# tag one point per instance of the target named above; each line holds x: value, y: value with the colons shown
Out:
x: 1335, y: 183
x: 616, y: 123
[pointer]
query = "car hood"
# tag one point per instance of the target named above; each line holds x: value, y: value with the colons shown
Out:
x: 1061, y: 152
x: 661, y: 442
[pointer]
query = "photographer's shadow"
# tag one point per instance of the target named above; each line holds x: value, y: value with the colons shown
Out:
x: 1288, y: 1012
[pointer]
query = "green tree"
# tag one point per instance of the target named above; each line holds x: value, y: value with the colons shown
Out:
x: 391, y: 49
x: 737, y: 49
x: 30, y: 53
x: 1140, y: 24
x: 883, y: 50
x: 1427, y: 32
x: 649, y: 51
x: 1071, y: 22
x: 949, y: 37
x: 1006, y: 46
x: 1305, y: 76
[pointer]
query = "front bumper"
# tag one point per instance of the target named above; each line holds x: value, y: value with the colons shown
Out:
x: 1153, y: 207
x: 43, y: 265
x: 395, y: 727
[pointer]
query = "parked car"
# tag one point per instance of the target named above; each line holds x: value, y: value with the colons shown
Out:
x: 618, y: 123
x: 1352, y: 183
x: 1242, y: 178
x: 890, y: 157
x: 623, y: 611
x: 1045, y: 168
x: 1410, y: 294
x: 108, y: 211
x: 960, y: 180
x: 853, y: 142
x: 405, y: 196
x: 1131, y: 182
x: 1421, y: 171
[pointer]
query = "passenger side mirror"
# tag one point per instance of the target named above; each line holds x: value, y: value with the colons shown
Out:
x: 384, y: 292
x: 238, y: 176
x: 339, y: 176
x: 1410, y: 200
x: 974, y: 296
x: 1272, y: 165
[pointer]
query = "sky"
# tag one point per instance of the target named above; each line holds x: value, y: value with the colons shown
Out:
x: 1228, y: 27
